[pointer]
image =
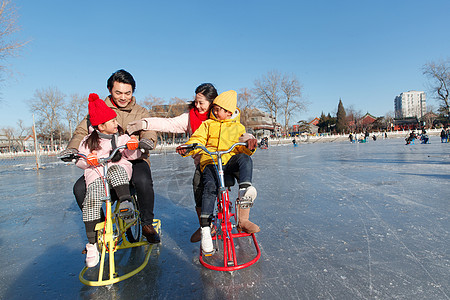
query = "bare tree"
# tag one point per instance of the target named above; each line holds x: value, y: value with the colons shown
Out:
x: 48, y: 104
x: 439, y: 74
x: 177, y: 106
x: 353, y: 117
x: 291, y: 101
x: 75, y: 110
x: 389, y: 120
x: 246, y: 102
x: 9, y: 47
x: 267, y: 91
x: 23, y: 132
x: 150, y: 102
x: 8, y: 132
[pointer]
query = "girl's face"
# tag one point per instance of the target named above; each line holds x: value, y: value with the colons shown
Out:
x: 201, y: 103
x: 109, y: 127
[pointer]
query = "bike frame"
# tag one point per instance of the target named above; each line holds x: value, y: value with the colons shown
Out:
x: 113, y: 238
x: 223, y: 221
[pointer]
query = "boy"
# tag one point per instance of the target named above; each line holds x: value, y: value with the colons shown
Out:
x: 222, y: 130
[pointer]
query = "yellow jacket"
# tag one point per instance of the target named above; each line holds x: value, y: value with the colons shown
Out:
x: 219, y: 135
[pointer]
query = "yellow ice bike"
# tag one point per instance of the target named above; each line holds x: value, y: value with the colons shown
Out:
x: 114, y: 234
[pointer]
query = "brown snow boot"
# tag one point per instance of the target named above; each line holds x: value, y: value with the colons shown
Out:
x: 244, y: 224
x: 197, y: 236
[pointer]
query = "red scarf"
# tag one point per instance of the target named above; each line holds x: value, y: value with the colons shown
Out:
x: 196, y: 119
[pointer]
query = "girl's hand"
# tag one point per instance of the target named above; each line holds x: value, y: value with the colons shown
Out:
x: 92, y: 158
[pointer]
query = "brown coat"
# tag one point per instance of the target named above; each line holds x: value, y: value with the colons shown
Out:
x: 125, y: 115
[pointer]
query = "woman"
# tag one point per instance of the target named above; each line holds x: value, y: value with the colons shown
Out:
x: 185, y: 123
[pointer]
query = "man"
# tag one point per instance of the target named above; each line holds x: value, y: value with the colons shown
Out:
x: 121, y: 86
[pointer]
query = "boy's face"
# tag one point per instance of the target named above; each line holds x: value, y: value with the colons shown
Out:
x: 220, y: 113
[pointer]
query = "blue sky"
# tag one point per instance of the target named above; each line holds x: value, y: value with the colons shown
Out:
x: 364, y: 52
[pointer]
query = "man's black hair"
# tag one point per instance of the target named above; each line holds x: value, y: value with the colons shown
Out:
x: 123, y: 77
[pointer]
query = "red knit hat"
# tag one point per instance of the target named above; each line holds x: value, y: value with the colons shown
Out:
x: 99, y: 112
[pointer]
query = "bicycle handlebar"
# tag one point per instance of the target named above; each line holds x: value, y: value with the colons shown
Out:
x: 100, y: 160
x: 194, y: 146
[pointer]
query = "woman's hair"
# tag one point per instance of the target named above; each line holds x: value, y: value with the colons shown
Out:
x: 206, y: 89
x: 121, y: 76
x: 93, y: 142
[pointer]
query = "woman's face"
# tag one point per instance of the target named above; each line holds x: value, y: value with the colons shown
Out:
x: 201, y: 103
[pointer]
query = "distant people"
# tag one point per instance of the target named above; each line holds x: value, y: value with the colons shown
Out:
x: 264, y: 143
x: 374, y: 137
x: 385, y: 135
x: 424, y: 138
x: 444, y: 135
x: 350, y: 137
x: 294, y: 141
x: 410, y: 139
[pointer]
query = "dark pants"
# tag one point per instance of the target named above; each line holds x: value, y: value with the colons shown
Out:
x: 241, y: 163
x: 141, y: 179
x: 197, y: 186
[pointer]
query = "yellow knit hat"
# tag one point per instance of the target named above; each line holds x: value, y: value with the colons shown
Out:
x: 227, y: 100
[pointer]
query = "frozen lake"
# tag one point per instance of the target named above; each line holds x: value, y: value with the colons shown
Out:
x: 338, y: 221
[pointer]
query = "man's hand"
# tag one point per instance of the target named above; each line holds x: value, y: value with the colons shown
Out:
x: 67, y: 155
x: 92, y: 159
x: 136, y: 126
x: 133, y: 143
x: 181, y: 150
x: 146, y: 144
x: 252, y: 144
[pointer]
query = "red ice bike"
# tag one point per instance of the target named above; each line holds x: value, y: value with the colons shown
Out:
x: 224, y: 232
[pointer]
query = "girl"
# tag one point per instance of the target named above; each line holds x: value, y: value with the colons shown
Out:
x: 104, y: 137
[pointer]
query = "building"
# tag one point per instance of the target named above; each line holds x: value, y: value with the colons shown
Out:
x: 410, y: 104
x: 259, y: 123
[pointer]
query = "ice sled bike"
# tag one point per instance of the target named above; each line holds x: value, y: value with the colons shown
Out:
x: 225, y: 220
x: 114, y: 234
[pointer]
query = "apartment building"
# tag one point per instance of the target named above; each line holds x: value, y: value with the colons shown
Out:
x: 410, y: 104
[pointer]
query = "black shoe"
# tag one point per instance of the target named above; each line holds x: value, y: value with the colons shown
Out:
x: 150, y: 234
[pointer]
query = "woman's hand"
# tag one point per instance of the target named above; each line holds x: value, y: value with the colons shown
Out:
x: 136, y: 126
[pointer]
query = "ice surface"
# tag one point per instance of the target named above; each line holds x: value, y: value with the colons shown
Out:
x: 338, y: 221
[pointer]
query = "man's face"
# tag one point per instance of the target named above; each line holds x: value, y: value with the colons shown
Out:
x: 121, y: 93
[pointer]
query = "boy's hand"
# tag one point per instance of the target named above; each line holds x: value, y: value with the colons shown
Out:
x: 92, y: 159
x: 181, y: 150
x: 252, y: 144
x: 133, y: 143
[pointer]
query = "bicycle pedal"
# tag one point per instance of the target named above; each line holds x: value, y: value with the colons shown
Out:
x: 208, y: 253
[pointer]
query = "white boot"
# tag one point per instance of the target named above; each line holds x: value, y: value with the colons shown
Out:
x: 247, y: 196
x: 207, y: 244
x: 92, y: 255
